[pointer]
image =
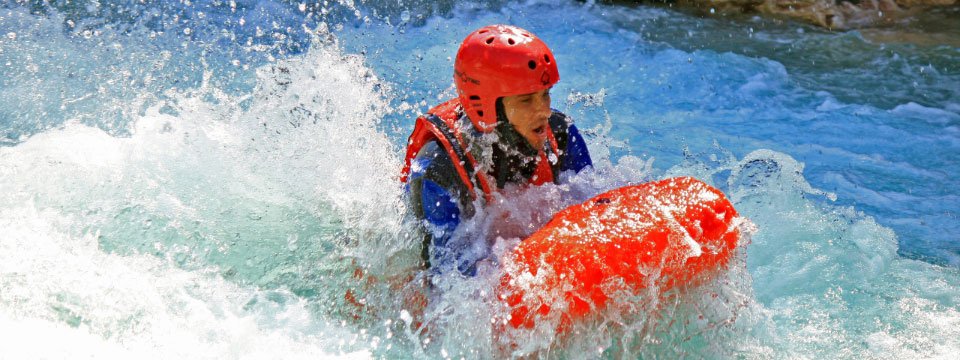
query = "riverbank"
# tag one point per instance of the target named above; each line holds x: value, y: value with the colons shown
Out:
x: 829, y: 14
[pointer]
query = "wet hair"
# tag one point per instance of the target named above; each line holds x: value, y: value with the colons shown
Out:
x: 504, y: 127
x: 501, y: 113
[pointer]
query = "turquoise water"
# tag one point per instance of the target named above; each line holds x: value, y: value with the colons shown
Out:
x: 204, y: 179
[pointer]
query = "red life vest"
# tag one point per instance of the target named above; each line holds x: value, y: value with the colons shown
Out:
x: 440, y: 125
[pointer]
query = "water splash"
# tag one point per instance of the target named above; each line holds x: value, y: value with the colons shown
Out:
x: 232, y: 212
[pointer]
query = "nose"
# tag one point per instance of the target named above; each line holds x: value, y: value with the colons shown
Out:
x: 543, y: 107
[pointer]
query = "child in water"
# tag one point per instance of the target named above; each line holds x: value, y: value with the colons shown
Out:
x: 499, y: 130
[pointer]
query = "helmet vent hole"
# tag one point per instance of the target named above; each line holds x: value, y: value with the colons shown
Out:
x: 474, y: 97
x: 510, y: 41
x: 480, y: 113
x: 546, y: 58
x: 490, y: 40
x: 484, y: 31
x: 532, y: 64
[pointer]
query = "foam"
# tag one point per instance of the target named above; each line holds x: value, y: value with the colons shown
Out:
x: 63, y: 298
x: 933, y: 115
x: 183, y: 239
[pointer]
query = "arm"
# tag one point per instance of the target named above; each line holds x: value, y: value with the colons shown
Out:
x: 438, y: 199
x: 441, y: 215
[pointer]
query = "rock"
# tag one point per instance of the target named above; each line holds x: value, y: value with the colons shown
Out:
x: 911, y: 3
x: 825, y: 13
x: 831, y: 14
x: 845, y: 15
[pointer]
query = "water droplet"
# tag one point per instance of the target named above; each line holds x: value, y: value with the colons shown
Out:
x: 186, y: 31
x: 12, y: 35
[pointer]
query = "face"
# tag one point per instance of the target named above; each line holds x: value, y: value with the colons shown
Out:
x: 528, y: 114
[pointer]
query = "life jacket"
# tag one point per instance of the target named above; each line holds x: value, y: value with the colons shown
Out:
x: 440, y: 125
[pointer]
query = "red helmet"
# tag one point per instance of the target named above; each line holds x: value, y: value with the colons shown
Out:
x: 496, y: 61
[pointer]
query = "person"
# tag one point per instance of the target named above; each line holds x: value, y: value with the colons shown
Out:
x: 499, y: 130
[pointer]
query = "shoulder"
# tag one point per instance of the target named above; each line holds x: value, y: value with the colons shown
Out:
x: 437, y: 166
x: 559, y: 121
x: 574, y: 153
x: 560, y: 125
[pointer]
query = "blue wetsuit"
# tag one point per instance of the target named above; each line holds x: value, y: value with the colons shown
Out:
x: 441, y: 200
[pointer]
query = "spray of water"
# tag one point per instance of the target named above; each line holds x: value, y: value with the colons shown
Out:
x: 229, y: 222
